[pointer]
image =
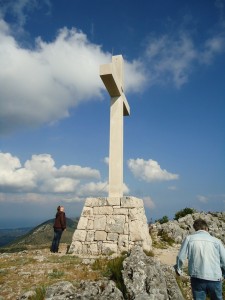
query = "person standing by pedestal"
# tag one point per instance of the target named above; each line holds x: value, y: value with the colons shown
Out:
x: 59, y: 226
x: 206, y: 262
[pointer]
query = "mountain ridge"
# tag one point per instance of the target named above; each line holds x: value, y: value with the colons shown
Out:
x: 42, y: 234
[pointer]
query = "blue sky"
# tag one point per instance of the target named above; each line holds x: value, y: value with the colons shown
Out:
x: 54, y: 109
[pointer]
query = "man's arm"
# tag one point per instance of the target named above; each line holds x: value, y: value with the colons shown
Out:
x: 222, y: 258
x: 182, y: 255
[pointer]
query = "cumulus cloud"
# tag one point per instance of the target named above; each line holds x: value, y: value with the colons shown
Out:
x: 19, y: 9
x: 202, y: 198
x: 106, y: 160
x: 77, y: 172
x: 40, y: 85
x: 149, y: 202
x: 40, y: 175
x: 149, y: 170
x: 172, y: 58
x: 172, y: 188
x: 13, y: 176
x: 93, y: 188
x: 97, y: 189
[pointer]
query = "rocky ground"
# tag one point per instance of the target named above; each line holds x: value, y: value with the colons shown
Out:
x: 28, y: 269
x: 36, y: 269
x: 167, y: 256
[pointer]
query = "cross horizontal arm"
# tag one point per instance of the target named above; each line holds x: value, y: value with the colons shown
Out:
x: 126, y: 107
x: 110, y: 80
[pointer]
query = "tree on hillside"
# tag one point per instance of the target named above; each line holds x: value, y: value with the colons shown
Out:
x: 183, y: 212
x: 163, y: 220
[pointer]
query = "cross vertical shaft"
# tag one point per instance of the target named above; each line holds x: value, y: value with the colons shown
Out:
x: 113, y: 79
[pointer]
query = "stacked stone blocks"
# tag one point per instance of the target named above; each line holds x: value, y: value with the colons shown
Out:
x: 111, y: 226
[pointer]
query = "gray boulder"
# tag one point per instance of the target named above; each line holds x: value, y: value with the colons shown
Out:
x: 60, y: 291
x: 86, y: 290
x: 26, y: 296
x: 146, y: 278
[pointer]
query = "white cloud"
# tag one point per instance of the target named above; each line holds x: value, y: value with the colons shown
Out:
x: 172, y: 58
x: 202, y: 199
x: 39, y: 175
x: 12, y: 176
x: 149, y: 202
x: 77, y: 172
x: 38, y: 179
x: 213, y: 46
x: 97, y: 189
x: 172, y: 188
x: 93, y: 188
x: 106, y: 160
x: 40, y: 85
x: 138, y: 79
x: 149, y: 170
x: 19, y: 9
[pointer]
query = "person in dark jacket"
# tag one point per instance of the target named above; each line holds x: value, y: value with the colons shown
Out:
x: 59, y: 226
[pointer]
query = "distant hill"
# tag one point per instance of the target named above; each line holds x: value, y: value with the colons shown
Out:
x: 9, y: 235
x: 43, y: 234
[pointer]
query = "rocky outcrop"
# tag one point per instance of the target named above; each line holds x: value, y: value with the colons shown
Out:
x: 146, y: 278
x: 84, y: 291
x: 143, y: 276
x: 178, y: 230
x: 110, y: 226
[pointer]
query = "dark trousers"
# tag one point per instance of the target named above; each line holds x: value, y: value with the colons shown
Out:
x: 56, y: 240
x: 201, y: 288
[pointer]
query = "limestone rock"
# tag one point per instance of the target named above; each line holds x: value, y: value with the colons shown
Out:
x: 178, y: 230
x: 60, y: 291
x: 26, y: 296
x: 144, y: 278
x: 99, y: 290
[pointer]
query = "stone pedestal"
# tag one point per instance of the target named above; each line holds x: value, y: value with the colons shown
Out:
x: 110, y: 226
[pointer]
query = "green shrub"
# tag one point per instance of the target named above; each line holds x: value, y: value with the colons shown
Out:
x: 163, y: 220
x: 99, y: 265
x: 56, y: 274
x: 40, y: 294
x: 114, y: 271
x: 165, y: 238
x: 183, y: 212
x: 13, y: 249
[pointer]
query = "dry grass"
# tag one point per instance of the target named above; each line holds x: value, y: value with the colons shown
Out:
x: 22, y: 271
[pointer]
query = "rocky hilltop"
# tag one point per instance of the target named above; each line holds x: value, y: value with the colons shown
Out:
x: 40, y: 235
x: 143, y: 278
x: 39, y: 274
x: 176, y: 231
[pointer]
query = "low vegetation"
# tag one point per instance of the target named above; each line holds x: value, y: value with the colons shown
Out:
x: 39, y: 294
x: 24, y: 270
x: 182, y: 213
x: 114, y: 272
x: 163, y: 220
x: 166, y: 238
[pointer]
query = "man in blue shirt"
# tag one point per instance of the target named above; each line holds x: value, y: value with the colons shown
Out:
x: 206, y: 262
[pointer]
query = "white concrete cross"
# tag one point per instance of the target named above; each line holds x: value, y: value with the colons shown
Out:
x: 112, y: 75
